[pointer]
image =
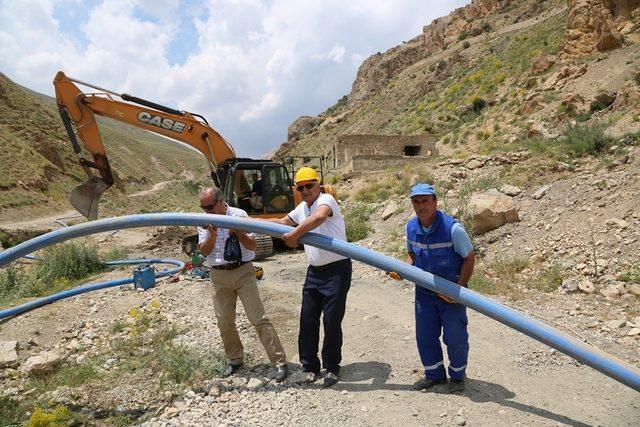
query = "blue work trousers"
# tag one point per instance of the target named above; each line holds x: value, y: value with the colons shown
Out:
x: 435, y: 317
x: 324, y: 293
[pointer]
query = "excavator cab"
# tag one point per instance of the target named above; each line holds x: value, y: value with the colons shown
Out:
x: 259, y: 187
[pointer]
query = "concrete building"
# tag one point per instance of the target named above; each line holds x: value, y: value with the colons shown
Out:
x: 376, y: 152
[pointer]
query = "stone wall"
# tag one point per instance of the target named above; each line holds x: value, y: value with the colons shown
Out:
x: 378, y: 149
x: 364, y: 163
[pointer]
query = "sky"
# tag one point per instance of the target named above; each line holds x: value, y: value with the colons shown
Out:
x: 250, y: 67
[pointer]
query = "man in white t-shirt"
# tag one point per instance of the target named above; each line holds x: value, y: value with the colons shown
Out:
x: 327, y: 282
x: 232, y: 280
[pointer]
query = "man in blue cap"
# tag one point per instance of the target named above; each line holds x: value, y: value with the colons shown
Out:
x: 437, y: 243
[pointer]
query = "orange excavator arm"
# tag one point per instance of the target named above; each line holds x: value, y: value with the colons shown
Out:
x: 79, y: 108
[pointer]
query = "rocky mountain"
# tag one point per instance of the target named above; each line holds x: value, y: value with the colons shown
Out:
x: 537, y: 67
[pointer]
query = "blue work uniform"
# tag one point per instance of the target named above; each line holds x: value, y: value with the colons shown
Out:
x: 440, y: 249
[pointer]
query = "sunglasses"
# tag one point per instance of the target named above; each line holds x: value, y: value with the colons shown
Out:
x: 307, y: 186
x: 209, y: 207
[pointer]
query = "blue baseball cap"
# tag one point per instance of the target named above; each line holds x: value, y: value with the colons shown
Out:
x: 423, y: 189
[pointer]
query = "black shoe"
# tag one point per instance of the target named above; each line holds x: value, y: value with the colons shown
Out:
x: 456, y: 385
x: 428, y: 383
x: 229, y: 370
x: 282, y: 372
x: 331, y: 377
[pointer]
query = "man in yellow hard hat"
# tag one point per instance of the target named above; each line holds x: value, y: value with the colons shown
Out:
x: 327, y: 282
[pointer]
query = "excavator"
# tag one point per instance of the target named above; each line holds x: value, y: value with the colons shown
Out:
x: 270, y: 195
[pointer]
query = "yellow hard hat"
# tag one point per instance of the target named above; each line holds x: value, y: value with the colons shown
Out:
x: 306, y: 174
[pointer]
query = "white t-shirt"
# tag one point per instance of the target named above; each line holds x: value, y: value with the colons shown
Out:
x: 333, y: 227
x: 216, y: 257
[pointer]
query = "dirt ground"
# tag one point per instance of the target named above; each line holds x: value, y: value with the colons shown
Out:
x: 512, y: 378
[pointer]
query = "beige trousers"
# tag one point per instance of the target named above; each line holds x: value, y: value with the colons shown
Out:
x: 228, y: 285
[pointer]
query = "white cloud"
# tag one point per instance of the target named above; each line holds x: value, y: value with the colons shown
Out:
x: 251, y: 67
x: 268, y: 102
x: 337, y: 54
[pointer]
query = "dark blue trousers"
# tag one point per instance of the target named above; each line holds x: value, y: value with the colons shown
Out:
x: 435, y: 317
x: 324, y: 293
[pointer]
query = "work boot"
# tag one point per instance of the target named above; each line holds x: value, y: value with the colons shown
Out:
x: 428, y: 383
x: 282, y: 372
x: 230, y: 369
x: 456, y: 385
x: 331, y: 378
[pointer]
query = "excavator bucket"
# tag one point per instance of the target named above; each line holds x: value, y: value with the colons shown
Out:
x: 85, y: 197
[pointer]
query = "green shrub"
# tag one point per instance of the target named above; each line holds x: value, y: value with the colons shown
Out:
x: 508, y: 268
x: 12, y: 282
x: 547, y: 280
x: 583, y: 117
x: 69, y: 375
x: 58, y: 268
x: 478, y: 104
x: 466, y: 44
x: 184, y: 364
x: 357, y: 222
x: 6, y: 240
x: 12, y: 413
x: 117, y: 253
x: 480, y: 283
x: 586, y: 139
x: 463, y: 35
x: 632, y: 276
x: 59, y: 416
x: 72, y: 261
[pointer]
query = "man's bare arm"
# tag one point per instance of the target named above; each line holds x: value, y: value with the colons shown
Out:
x: 246, y: 240
x: 206, y: 246
x: 313, y: 221
x: 466, y: 271
x: 285, y: 220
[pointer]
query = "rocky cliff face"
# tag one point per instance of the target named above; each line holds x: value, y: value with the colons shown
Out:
x: 462, y: 20
x: 599, y: 25
x: 378, y: 69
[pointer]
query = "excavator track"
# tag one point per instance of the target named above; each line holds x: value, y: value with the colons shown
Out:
x: 264, y: 246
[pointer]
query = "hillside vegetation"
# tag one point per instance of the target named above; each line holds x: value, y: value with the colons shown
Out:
x: 38, y: 168
x: 499, y: 82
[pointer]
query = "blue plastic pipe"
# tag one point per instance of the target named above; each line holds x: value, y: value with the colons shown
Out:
x: 13, y: 311
x: 607, y: 364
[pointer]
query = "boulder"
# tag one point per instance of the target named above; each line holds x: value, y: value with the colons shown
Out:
x: 628, y: 97
x: 591, y: 27
x: 41, y: 363
x: 538, y: 130
x: 585, y: 286
x: 490, y: 210
x: 531, y: 104
x: 570, y: 284
x: 510, y: 190
x: 602, y: 100
x: 612, y: 291
x: 633, y: 288
x: 389, y: 210
x: 574, y: 103
x: 563, y: 76
x: 542, y: 63
x: 8, y: 354
x: 616, y: 323
x: 474, y: 164
x: 540, y: 192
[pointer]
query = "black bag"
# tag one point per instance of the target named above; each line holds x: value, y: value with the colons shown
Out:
x: 232, y: 251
